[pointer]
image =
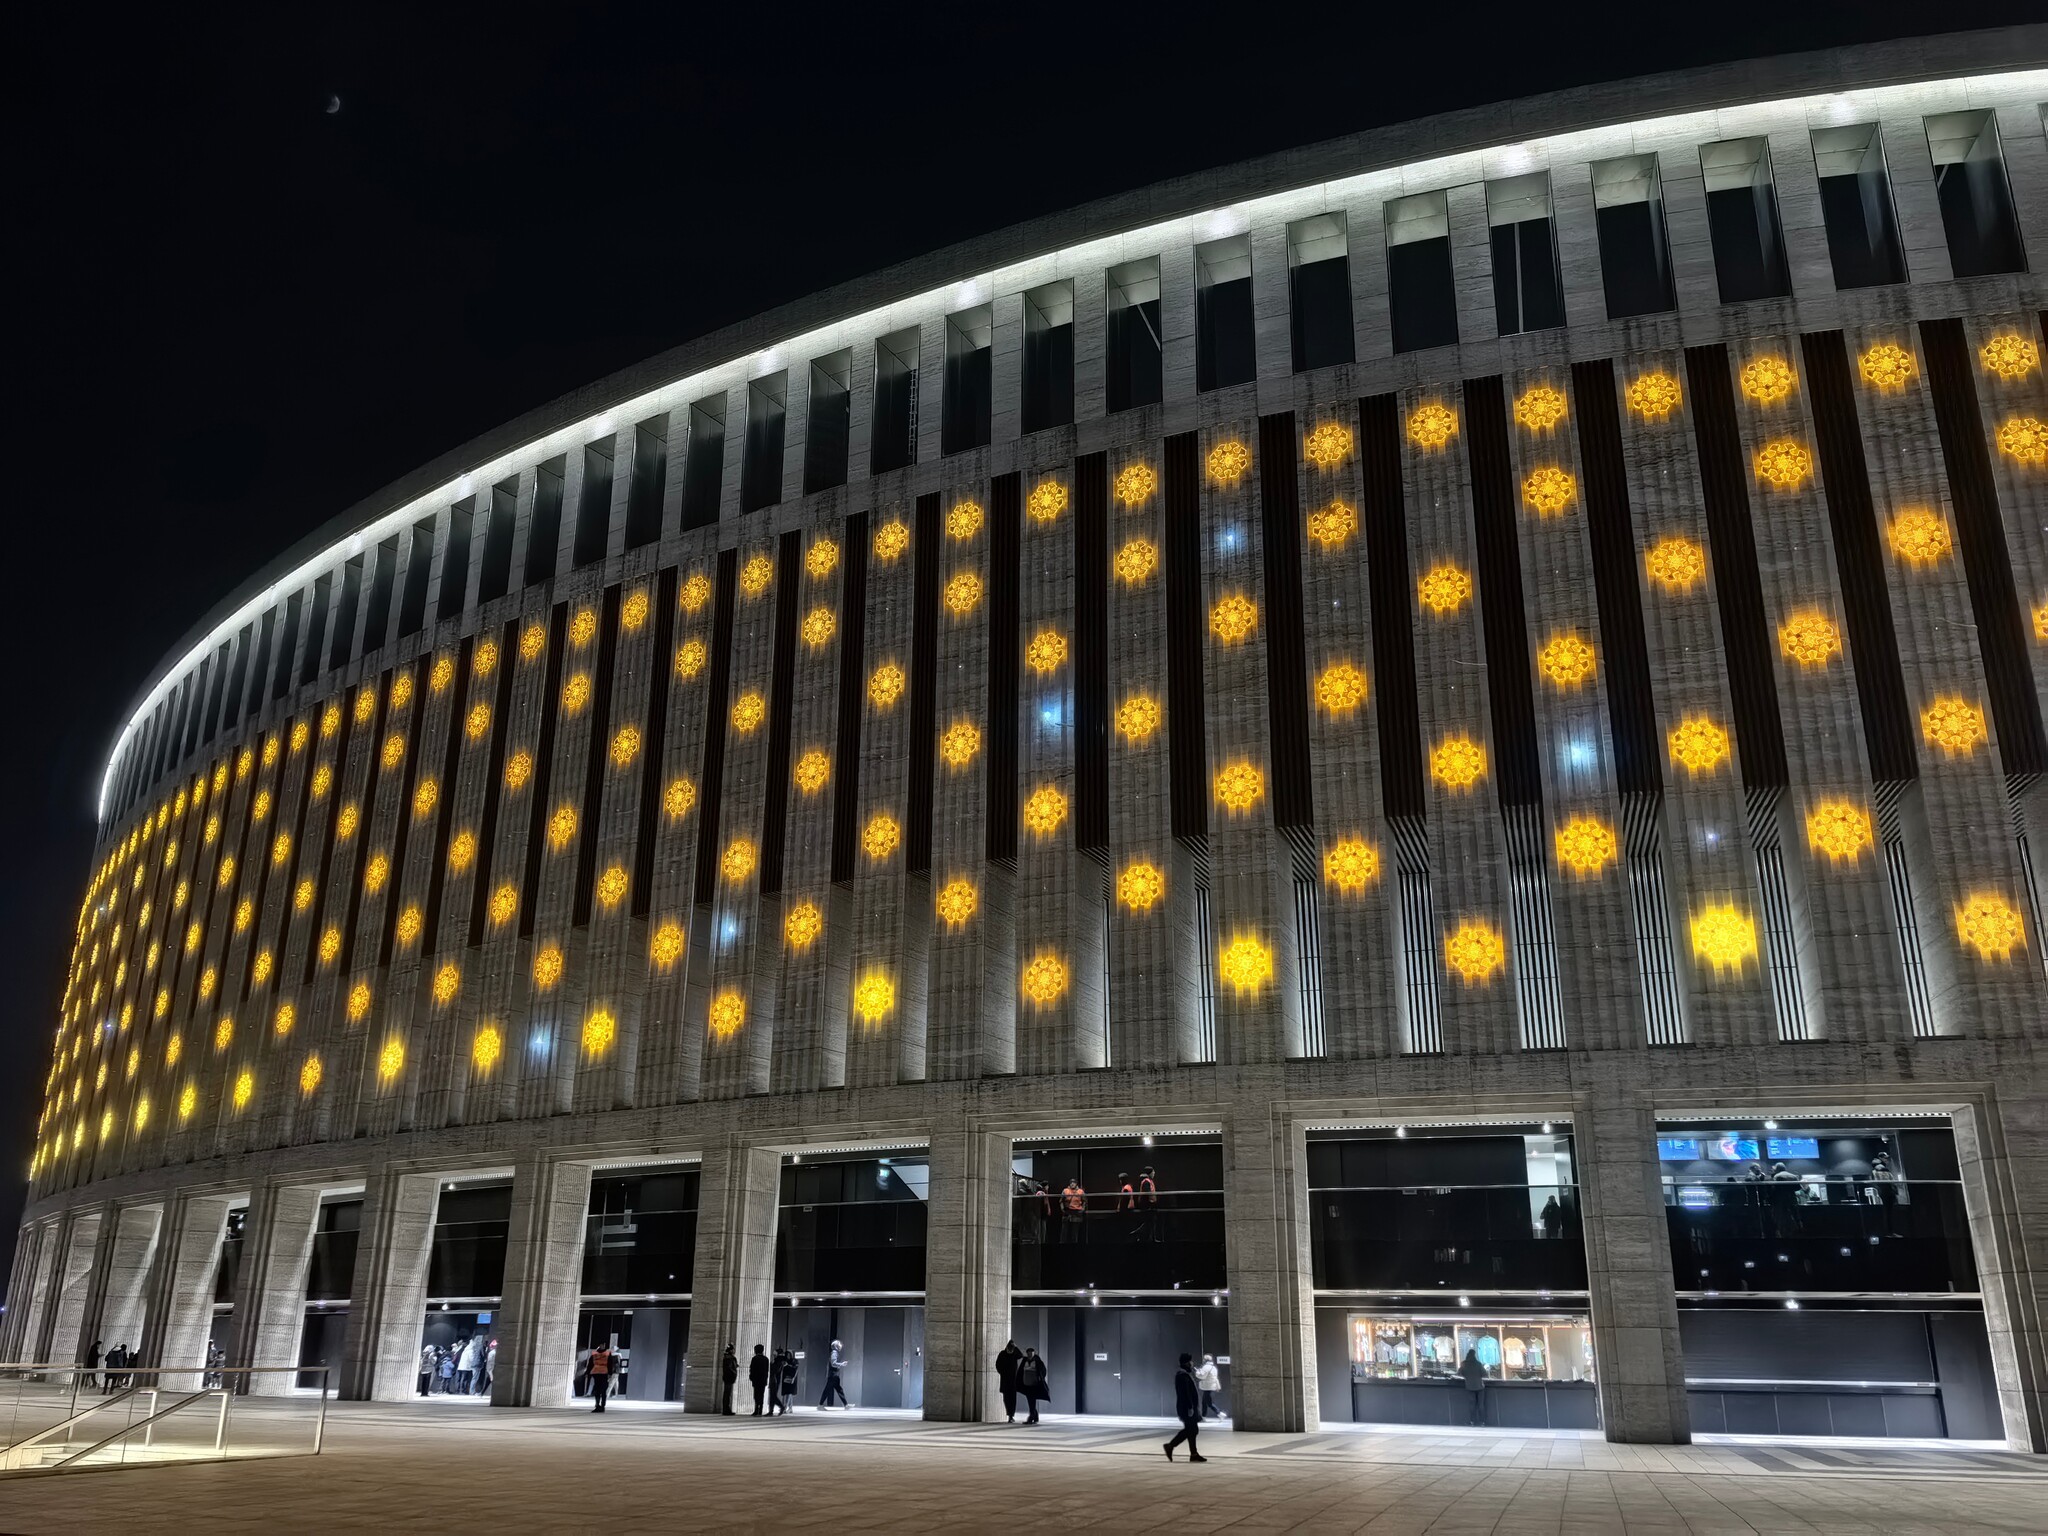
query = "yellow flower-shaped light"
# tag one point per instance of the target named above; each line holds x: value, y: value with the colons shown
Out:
x: 366, y: 708
x: 1044, y: 811
x: 1474, y: 951
x: 261, y: 806
x: 1539, y: 408
x: 1585, y: 845
x: 1245, y: 964
x: 818, y: 627
x: 547, y: 967
x: 486, y: 1047
x: 1920, y: 537
x: 378, y: 871
x: 174, y: 1048
x: 885, y: 685
x: 2041, y: 619
x: 1888, y: 366
x: 1809, y: 637
x: 188, y: 1101
x: 1046, y: 652
x: 821, y: 559
x: 756, y: 574
x: 690, y: 658
x: 1767, y: 379
x: 2009, y: 355
x: 260, y: 971
x: 1989, y: 924
x: 665, y: 946
x: 696, y: 592
x: 728, y: 1013
x: 583, y: 628
x: 874, y: 996
x: 625, y: 746
x: 1782, y: 464
x: 300, y: 735
x: 633, y: 612
x: 478, y: 722
x: 1724, y: 936
x: 1675, y: 563
x: 424, y: 796
x: 880, y: 836
x: 738, y: 860
x: 1350, y: 864
x: 1653, y: 396
x: 1432, y: 425
x: 1044, y: 979
x: 358, y: 1002
x: 245, y: 1089
x: 532, y: 641
x: 576, y: 693
x: 462, y: 851
x: 748, y: 711
x: 330, y: 945
x: 1137, y: 717
x: 391, y: 1059
x: 401, y: 690
x: 956, y: 902
x: 1566, y: 662
x: 562, y: 828
x: 1328, y: 445
x: 1953, y: 724
x: 1549, y: 490
x: 1233, y: 618
x: 964, y: 521
x: 302, y: 898
x: 612, y: 886
x: 1457, y: 762
x: 484, y: 659
x: 2024, y: 438
x: 811, y: 771
x: 1140, y: 885
x: 1135, y: 561
x: 600, y: 1029
x: 677, y: 799
x: 223, y: 1034
x: 1444, y: 589
x: 1340, y: 688
x: 409, y: 925
x: 1239, y: 786
x: 1839, y: 829
x: 518, y: 769
x: 958, y: 743
x: 1333, y: 525
x: 962, y: 594
x: 504, y: 904
x: 1048, y: 499
x: 1134, y: 485
x: 1228, y: 461
x: 800, y: 929
x: 891, y: 539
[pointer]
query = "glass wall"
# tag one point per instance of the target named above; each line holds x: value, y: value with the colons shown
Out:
x: 465, y: 1282
x: 330, y: 1272
x: 639, y: 1253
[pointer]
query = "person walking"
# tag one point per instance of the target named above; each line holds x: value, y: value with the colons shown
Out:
x: 728, y: 1376
x: 833, y: 1384
x: 789, y: 1375
x: 1210, y: 1380
x: 1187, y: 1406
x: 775, y: 1381
x: 490, y: 1369
x: 1475, y: 1385
x: 1006, y: 1379
x: 1033, y: 1385
x: 600, y: 1374
x: 757, y: 1375
x: 91, y: 1378
x: 465, y: 1366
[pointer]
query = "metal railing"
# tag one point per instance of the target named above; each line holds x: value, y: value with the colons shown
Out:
x: 67, y: 1417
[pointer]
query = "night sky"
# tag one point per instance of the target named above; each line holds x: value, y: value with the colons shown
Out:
x: 244, y: 312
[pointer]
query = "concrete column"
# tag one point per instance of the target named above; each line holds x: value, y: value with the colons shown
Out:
x: 25, y: 1289
x: 2003, y: 1152
x: 1272, y: 1284
x: 388, y: 1296
x: 116, y: 1311
x: 733, y: 1288
x: 270, y: 1287
x: 1636, y: 1348
x: 966, y: 1273
x: 181, y: 1286
x: 70, y: 1279
x: 536, y: 1327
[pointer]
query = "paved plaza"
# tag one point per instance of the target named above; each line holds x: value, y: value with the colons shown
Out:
x: 458, y: 1467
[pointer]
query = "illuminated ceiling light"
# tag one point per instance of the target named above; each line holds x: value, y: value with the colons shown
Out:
x: 1137, y: 718
x: 575, y: 694
x: 1549, y: 490
x: 811, y: 771
x: 1840, y: 829
x: 1046, y: 652
x: 1134, y: 485
x: 1228, y: 461
x: 1767, y: 379
x: 1809, y: 637
x: 964, y: 521
x: 690, y: 656
x: 1953, y: 724
x: 1328, y: 445
x: 696, y: 592
x: 600, y: 1029
x: 1457, y: 762
x: 245, y: 1089
x: 1044, y: 979
x: 1539, y: 408
x: 1245, y: 964
x: 728, y: 1013
x: 1333, y: 525
x: 748, y: 711
x: 1444, y: 589
x: 1990, y: 925
x: 1340, y: 688
x: 504, y: 904
x: 1135, y: 562
x: 1140, y: 886
x: 738, y: 860
x: 476, y: 725
x: 756, y: 574
x: 633, y: 613
x: 818, y: 627
x: 677, y: 799
x: 625, y: 746
x: 956, y: 902
x: 1044, y: 811
x: 1782, y: 464
x: 1239, y: 786
x: 410, y: 923
x: 583, y: 628
x: 1350, y: 865
x: 562, y: 828
x: 484, y: 659
x: 665, y: 947
x: 2009, y: 355
x: 1724, y: 936
x: 1474, y: 951
x: 1048, y: 499
x: 1233, y: 618
x: 1654, y: 395
x: 547, y: 967
x: 891, y: 539
x: 1888, y: 366
x: 391, y: 1059
x: 1585, y: 845
x: 821, y: 559
x: 958, y: 743
x: 1675, y: 563
x: 2024, y: 438
x: 611, y: 887
x: 358, y: 1002
x: 1432, y: 425
x: 487, y: 1046
x: 962, y: 594
x: 1566, y: 662
x: 447, y: 982
x: 1919, y: 537
x: 880, y: 836
x: 885, y: 686
x: 532, y: 641
x: 874, y: 997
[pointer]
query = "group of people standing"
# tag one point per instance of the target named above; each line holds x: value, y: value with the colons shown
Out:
x: 463, y: 1368
x: 1137, y: 1199
x: 114, y: 1376
x: 773, y: 1378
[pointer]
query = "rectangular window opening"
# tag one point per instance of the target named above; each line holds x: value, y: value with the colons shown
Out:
x: 1049, y: 357
x: 1319, y: 291
x: 893, y: 439
x: 494, y: 580
x: 1308, y: 925
x: 1856, y: 206
x: 1635, y: 260
x: 383, y: 582
x: 827, y: 420
x: 1422, y: 299
x: 1526, y: 295
x: 761, y: 464
x: 1226, y: 350
x: 419, y: 567
x: 704, y: 463
x: 965, y: 410
x: 1742, y: 221
x: 1205, y: 969
x: 1976, y: 198
x: 1135, y: 374
x: 544, y: 532
x: 594, y: 504
x: 650, y: 482
x: 455, y: 568
x: 346, y: 606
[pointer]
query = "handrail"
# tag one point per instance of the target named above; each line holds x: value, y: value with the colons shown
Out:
x: 15, y: 1454
x: 223, y: 1382
x: 162, y: 1413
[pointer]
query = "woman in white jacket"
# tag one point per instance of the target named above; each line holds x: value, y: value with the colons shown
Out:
x: 1210, y: 1381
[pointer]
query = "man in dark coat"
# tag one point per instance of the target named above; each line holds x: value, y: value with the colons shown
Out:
x: 1187, y: 1407
x: 775, y: 1404
x: 728, y: 1374
x: 1475, y: 1385
x: 1006, y: 1378
x: 1032, y: 1381
x: 788, y: 1380
x: 757, y: 1375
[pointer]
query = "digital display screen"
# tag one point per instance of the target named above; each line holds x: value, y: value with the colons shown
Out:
x: 1678, y: 1149
x: 1732, y: 1149
x: 1793, y: 1146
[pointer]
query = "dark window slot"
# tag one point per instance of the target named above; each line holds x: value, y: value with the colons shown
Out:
x: 1742, y: 221
x: 704, y: 463
x: 1504, y: 619
x: 594, y: 504
x: 1004, y: 649
x: 494, y: 580
x: 893, y: 431
x: 544, y: 532
x: 1049, y: 357
x: 1286, y: 661
x: 1319, y: 292
x: 259, y: 673
x: 761, y: 460
x: 650, y: 482
x: 1393, y: 637
x: 238, y: 676
x: 1526, y: 295
x: 383, y: 583
x: 782, y: 679
x: 345, y: 615
x: 1091, y: 673
x: 217, y: 678
x: 1226, y: 351
x: 287, y: 647
x: 594, y: 763
x: 965, y: 410
x: 1188, y: 752
x: 853, y: 624
x: 716, y: 701
x: 419, y: 568
x: 1635, y: 260
x: 1856, y: 207
x: 828, y: 422
x: 455, y: 567
x: 543, y: 771
x: 1422, y: 294
x: 1133, y: 373
x: 924, y: 682
x: 1976, y: 200
x: 655, y: 754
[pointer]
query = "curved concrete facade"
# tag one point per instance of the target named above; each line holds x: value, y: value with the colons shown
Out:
x: 1277, y: 651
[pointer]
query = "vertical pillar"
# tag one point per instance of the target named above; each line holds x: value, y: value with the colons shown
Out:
x: 2004, y: 1157
x: 1272, y: 1284
x: 181, y: 1286
x: 732, y: 1298
x: 1636, y: 1347
x: 270, y: 1288
x: 70, y: 1279
x: 966, y: 1273
x: 388, y: 1296
x: 536, y: 1329
x: 115, y: 1312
